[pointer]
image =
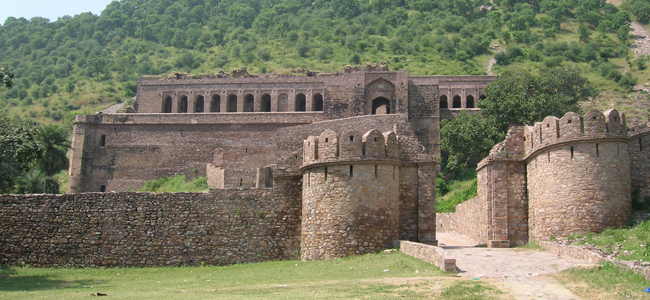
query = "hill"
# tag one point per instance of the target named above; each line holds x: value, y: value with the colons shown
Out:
x: 87, y: 62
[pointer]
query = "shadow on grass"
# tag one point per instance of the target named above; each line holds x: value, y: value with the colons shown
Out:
x: 12, y: 281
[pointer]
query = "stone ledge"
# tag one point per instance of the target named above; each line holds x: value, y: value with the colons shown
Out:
x: 593, y: 257
x: 431, y: 254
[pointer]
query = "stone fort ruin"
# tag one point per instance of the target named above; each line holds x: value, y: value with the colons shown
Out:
x: 317, y: 167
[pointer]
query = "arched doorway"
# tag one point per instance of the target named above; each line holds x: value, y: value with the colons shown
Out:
x: 215, y: 105
x: 380, y: 106
x: 301, y: 102
x: 182, y: 105
x: 167, y: 105
x: 249, y: 103
x: 470, y: 102
x: 456, y: 103
x: 198, y: 104
x: 266, y: 103
x: 444, y: 103
x: 317, y: 103
x: 231, y: 105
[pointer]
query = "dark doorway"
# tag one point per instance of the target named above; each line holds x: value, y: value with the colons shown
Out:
x: 215, y: 104
x: 444, y: 103
x: 317, y: 103
x: 266, y: 103
x: 470, y: 102
x: 249, y: 103
x: 199, y: 104
x: 456, y: 103
x: 301, y: 102
x: 182, y: 105
x: 231, y: 105
x: 167, y: 106
x: 380, y: 106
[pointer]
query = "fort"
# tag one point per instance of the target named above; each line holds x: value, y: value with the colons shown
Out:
x: 314, y: 167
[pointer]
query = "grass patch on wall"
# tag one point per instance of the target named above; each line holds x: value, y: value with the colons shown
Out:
x: 610, y: 282
x: 456, y: 191
x: 176, y: 184
x: 634, y: 242
x: 373, y: 276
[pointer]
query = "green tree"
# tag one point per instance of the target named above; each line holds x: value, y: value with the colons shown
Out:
x: 35, y: 181
x: 468, y: 137
x: 524, y: 97
x: 54, y: 143
x: 520, y: 97
x: 584, y: 33
x: 18, y: 148
x: 6, y: 77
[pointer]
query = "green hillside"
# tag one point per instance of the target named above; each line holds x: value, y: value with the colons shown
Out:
x: 87, y: 62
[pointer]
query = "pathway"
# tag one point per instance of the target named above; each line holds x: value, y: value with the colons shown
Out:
x: 641, y: 45
x: 524, y: 271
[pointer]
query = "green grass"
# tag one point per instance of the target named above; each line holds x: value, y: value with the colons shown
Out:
x: 175, y: 184
x: 461, y: 189
x: 352, y: 277
x: 610, y: 282
x: 634, y: 240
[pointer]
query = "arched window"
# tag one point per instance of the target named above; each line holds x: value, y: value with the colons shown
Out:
x: 470, y: 102
x: 167, y: 105
x: 215, y: 104
x: 198, y: 104
x: 182, y: 105
x: 231, y: 105
x: 317, y: 102
x: 380, y: 106
x: 482, y: 97
x: 456, y: 103
x: 283, y: 103
x: 266, y: 103
x: 444, y: 103
x: 249, y: 103
x: 301, y: 102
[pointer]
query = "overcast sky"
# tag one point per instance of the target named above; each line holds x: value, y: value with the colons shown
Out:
x: 51, y: 9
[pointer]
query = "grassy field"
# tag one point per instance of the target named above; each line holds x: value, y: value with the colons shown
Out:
x: 610, y: 282
x: 373, y: 276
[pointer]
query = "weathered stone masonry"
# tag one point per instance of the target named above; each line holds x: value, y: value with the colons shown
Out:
x: 556, y: 178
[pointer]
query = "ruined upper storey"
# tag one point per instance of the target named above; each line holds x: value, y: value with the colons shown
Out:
x: 345, y: 94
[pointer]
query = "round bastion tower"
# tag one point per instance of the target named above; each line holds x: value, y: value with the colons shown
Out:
x: 350, y: 198
x: 578, y: 174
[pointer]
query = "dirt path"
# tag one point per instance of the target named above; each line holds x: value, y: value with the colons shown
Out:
x: 491, y: 63
x: 641, y: 45
x: 524, y: 271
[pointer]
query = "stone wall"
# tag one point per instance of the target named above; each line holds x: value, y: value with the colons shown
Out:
x: 578, y: 175
x: 437, y: 256
x: 350, y: 193
x: 639, y: 147
x: 470, y: 219
x: 145, y: 229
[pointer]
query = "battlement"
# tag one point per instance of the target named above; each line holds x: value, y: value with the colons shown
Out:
x: 573, y: 127
x: 329, y: 147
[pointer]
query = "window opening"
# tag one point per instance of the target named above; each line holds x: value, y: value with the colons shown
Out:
x: 375, y: 171
x: 351, y: 171
x: 456, y: 103
x: 596, y: 150
x: 571, y: 152
x: 215, y: 104
x: 444, y: 102
x: 102, y: 188
x: 102, y: 140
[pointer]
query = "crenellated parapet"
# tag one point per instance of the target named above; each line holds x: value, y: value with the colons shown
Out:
x: 572, y: 128
x: 351, y: 193
x: 331, y: 148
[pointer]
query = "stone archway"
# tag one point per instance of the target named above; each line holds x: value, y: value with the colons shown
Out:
x: 380, y: 106
x: 380, y: 88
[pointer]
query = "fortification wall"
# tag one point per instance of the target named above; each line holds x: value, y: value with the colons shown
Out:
x: 639, y: 147
x: 578, y: 174
x: 144, y: 229
x: 470, y: 219
x: 350, y: 193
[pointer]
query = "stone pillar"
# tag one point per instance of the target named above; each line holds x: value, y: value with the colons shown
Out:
x: 427, y: 201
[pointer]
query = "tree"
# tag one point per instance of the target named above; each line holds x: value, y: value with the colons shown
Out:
x: 6, y: 77
x: 519, y: 97
x: 524, y: 97
x: 467, y: 137
x: 18, y: 148
x: 53, y: 140
x: 34, y: 181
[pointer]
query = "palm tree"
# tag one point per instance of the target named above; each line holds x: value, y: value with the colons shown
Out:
x: 31, y: 182
x: 54, y: 143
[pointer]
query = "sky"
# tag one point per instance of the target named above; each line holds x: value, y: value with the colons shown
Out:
x: 51, y: 9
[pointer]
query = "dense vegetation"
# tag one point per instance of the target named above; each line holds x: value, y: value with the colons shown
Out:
x: 175, y: 184
x: 86, y: 62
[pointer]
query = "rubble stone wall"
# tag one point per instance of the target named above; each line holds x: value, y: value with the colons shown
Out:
x: 144, y: 229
